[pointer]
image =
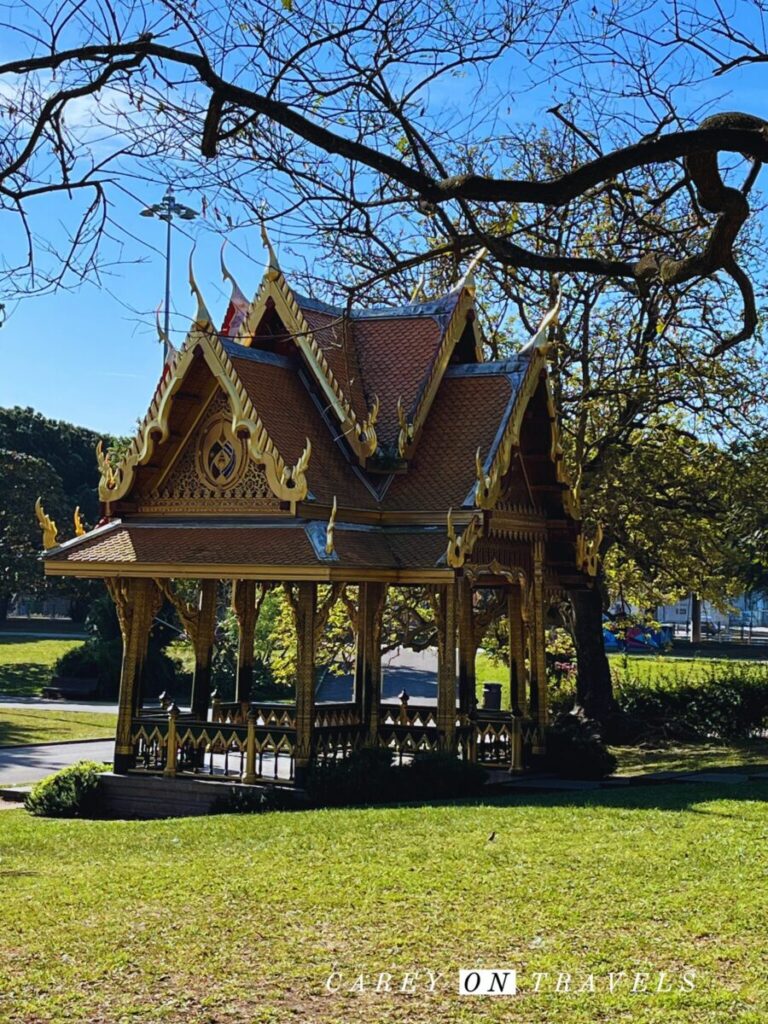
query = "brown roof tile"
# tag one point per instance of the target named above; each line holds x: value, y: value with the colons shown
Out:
x: 465, y: 416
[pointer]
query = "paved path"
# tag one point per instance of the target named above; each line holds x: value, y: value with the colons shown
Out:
x: 28, y: 764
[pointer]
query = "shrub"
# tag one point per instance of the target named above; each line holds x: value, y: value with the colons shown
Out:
x: 70, y: 793
x: 365, y: 777
x: 575, y: 749
x: 432, y: 775
x: 244, y: 800
x: 369, y: 777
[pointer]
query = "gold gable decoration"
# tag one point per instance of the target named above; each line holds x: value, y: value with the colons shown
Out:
x: 47, y: 525
x: 361, y: 435
x: 287, y: 483
x: 588, y: 552
x: 460, y: 547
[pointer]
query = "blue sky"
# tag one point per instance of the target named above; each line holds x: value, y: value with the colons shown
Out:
x: 92, y: 356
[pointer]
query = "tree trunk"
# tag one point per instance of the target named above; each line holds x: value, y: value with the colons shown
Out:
x: 695, y: 619
x: 5, y: 601
x: 594, y: 689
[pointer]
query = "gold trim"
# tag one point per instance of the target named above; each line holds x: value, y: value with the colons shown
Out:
x: 329, y: 549
x: 361, y: 435
x: 409, y: 432
x: 80, y: 530
x: 288, y: 483
x: 588, y: 552
x: 47, y: 525
x: 460, y: 548
x: 321, y: 574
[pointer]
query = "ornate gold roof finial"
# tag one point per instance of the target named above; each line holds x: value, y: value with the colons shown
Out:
x: 273, y: 267
x: 168, y: 347
x: 47, y: 525
x: 108, y: 476
x: 468, y: 280
x: 541, y: 341
x: 418, y: 291
x: 78, y: 520
x: 294, y: 477
x: 488, y: 484
x: 329, y: 549
x: 367, y: 431
x: 459, y: 548
x: 588, y: 552
x: 203, y: 320
x: 405, y: 438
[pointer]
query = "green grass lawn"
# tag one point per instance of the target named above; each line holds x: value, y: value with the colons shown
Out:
x: 26, y: 665
x: 242, y: 918
x: 35, y: 725
x: 691, y: 757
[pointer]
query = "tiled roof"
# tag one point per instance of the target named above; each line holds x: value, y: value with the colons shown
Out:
x: 466, y: 415
x: 291, y: 416
x: 204, y: 543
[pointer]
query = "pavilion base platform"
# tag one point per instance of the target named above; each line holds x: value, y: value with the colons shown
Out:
x: 142, y: 795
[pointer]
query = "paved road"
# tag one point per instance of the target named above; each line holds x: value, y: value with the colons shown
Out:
x: 28, y: 764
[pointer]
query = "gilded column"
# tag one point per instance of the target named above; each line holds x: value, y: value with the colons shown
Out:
x: 538, y: 642
x: 517, y: 669
x: 370, y: 614
x: 244, y: 605
x: 446, y: 664
x: 203, y: 643
x: 467, y: 649
x: 136, y: 601
x: 305, y: 609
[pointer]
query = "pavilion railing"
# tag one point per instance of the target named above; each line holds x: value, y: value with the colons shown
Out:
x: 504, y: 739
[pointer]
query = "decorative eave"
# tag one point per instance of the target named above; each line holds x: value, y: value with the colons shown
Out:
x: 412, y: 422
x: 288, y: 483
x: 460, y: 546
x: 361, y: 436
x: 490, y: 478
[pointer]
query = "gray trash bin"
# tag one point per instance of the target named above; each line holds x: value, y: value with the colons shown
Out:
x: 492, y: 696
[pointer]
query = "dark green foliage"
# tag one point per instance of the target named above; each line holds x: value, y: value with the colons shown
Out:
x: 101, y: 655
x: 733, y: 706
x: 575, y: 749
x: 369, y: 777
x: 70, y: 793
x: 245, y: 800
x: 69, y: 451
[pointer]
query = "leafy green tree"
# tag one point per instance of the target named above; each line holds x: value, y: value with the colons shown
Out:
x: 24, y: 478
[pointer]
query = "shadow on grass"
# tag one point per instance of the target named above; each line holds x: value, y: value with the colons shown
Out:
x: 24, y: 680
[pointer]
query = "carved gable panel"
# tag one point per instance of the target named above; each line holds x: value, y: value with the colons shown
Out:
x: 213, y: 472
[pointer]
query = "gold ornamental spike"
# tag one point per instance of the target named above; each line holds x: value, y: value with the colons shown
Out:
x: 418, y: 291
x: 203, y: 320
x: 468, y: 280
x: 273, y: 267
x: 329, y: 549
x: 541, y: 342
x: 47, y: 525
x: 78, y: 520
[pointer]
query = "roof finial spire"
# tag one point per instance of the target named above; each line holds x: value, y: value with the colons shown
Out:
x: 162, y: 337
x: 468, y: 280
x: 541, y: 341
x: 418, y: 291
x: 203, y: 320
x: 273, y: 267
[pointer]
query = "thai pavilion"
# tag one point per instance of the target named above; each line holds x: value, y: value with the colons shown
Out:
x: 318, y: 448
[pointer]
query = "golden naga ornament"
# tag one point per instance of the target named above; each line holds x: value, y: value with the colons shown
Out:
x: 588, y: 552
x: 460, y: 547
x: 78, y: 521
x: 488, y: 489
x: 47, y: 525
x: 329, y: 548
x: 407, y: 433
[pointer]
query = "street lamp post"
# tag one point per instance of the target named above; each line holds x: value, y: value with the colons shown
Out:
x: 166, y: 210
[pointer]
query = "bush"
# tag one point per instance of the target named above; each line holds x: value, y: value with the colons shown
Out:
x: 244, y: 800
x: 575, y: 749
x: 368, y: 776
x: 70, y: 793
x: 432, y: 775
x: 365, y: 777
